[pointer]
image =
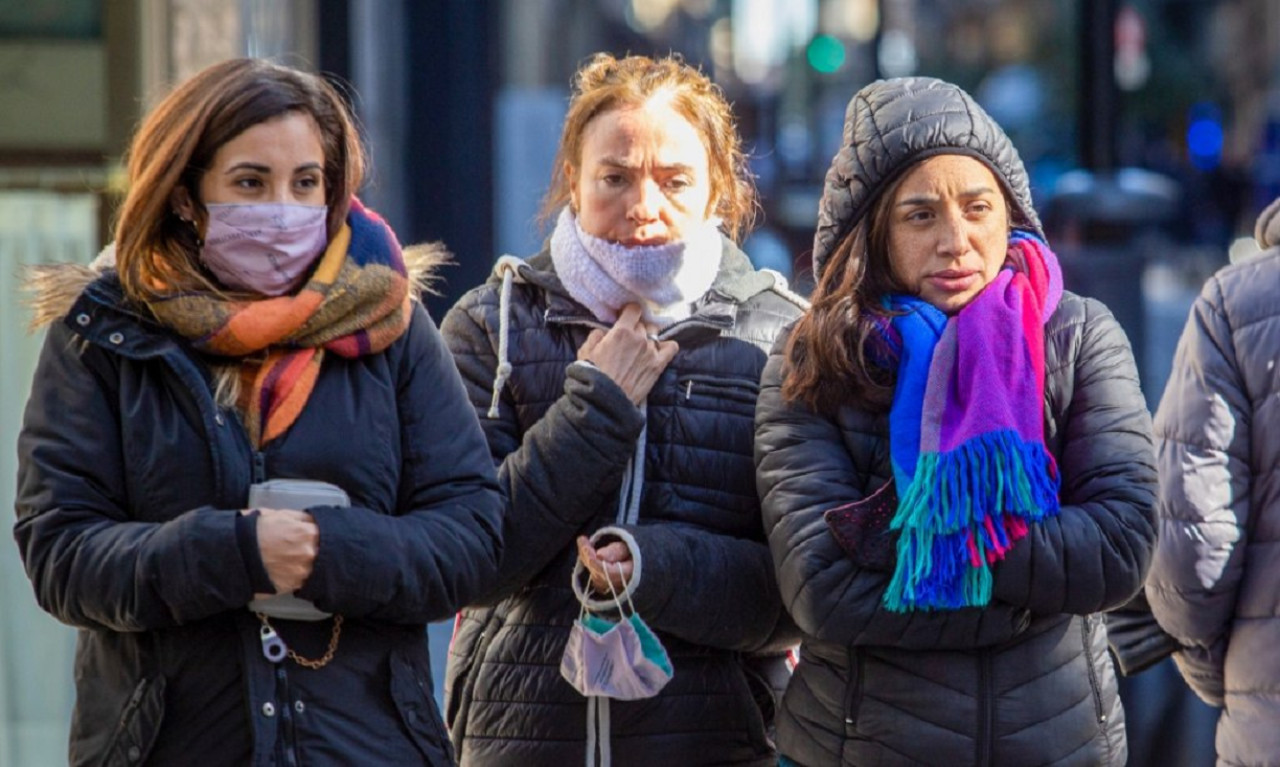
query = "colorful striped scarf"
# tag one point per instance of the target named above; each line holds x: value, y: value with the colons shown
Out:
x: 966, y: 431
x: 357, y: 302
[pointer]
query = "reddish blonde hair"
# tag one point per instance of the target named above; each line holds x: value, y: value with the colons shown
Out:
x: 156, y: 252
x: 606, y: 83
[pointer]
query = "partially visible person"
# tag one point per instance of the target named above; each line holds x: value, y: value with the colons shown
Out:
x: 254, y: 333
x: 1213, y: 580
x: 954, y: 459
x: 616, y: 374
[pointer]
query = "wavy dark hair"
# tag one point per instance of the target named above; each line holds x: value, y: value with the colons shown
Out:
x: 826, y: 354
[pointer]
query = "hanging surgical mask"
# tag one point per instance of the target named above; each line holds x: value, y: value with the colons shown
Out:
x: 264, y: 248
x: 622, y: 660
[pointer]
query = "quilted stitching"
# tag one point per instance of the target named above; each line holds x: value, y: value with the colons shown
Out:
x: 890, y: 124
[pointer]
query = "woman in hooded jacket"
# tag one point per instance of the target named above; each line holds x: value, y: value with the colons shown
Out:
x: 1212, y: 584
x: 616, y: 375
x: 248, y: 473
x: 954, y: 459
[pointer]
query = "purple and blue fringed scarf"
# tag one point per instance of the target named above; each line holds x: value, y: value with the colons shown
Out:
x: 966, y: 431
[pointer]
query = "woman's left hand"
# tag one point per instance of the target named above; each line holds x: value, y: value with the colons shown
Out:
x: 610, y: 562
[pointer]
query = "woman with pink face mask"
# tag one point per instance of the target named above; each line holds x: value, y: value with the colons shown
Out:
x: 248, y: 472
x: 616, y: 376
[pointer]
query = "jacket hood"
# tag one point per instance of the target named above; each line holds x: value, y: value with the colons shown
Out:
x: 1267, y: 230
x: 54, y: 288
x: 892, y: 124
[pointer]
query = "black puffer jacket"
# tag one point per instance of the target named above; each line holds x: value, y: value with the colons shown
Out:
x: 562, y: 435
x: 130, y: 482
x: 1026, y: 680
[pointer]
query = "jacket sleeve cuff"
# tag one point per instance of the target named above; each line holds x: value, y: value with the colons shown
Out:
x: 251, y: 554
x: 592, y: 383
x: 586, y: 597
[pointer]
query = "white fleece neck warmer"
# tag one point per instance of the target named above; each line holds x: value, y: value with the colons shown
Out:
x: 664, y: 280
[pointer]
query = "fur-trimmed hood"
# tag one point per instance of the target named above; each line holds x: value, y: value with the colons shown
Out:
x: 54, y: 288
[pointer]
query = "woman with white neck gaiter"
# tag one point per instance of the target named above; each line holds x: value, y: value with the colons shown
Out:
x: 617, y: 373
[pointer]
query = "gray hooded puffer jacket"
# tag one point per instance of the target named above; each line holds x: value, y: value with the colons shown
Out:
x: 1026, y: 680
x: 1213, y: 581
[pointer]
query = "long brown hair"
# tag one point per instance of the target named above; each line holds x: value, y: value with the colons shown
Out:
x: 606, y: 83
x: 826, y: 356
x: 156, y: 252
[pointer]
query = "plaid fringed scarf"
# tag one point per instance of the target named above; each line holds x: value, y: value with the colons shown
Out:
x: 966, y: 431
x: 356, y: 303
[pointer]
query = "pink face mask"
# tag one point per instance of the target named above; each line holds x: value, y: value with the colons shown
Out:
x: 264, y: 248
x: 623, y: 660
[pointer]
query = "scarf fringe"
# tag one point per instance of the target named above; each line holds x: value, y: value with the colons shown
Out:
x: 949, y: 538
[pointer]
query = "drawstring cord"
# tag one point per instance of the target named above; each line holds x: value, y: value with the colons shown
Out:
x: 506, y: 266
x: 598, y: 732
x: 628, y: 513
x: 633, y: 477
x: 599, y: 742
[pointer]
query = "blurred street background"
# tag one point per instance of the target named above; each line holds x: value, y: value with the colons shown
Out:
x: 1151, y: 129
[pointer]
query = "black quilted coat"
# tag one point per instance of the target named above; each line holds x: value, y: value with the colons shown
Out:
x: 130, y: 482
x: 562, y: 436
x: 1026, y: 680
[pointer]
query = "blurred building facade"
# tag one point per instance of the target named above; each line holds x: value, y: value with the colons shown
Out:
x: 461, y: 102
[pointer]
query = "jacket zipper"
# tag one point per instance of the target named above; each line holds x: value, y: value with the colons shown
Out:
x: 670, y: 332
x: 851, y: 696
x: 986, y: 706
x: 493, y: 623
x: 127, y: 714
x: 286, y: 734
x: 552, y: 319
x: 716, y: 384
x: 134, y: 701
x: 1086, y: 631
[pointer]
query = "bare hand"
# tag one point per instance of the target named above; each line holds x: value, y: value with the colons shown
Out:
x: 288, y: 540
x: 629, y: 354
x: 610, y: 562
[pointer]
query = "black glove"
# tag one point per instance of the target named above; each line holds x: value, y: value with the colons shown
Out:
x: 862, y: 529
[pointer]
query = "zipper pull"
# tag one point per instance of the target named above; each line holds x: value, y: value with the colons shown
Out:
x: 273, y: 648
x: 688, y: 389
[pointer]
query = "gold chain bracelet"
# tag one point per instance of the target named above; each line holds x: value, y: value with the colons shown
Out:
x: 269, y: 635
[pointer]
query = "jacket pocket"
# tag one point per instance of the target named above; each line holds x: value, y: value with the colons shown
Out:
x: 766, y: 678
x: 412, y: 697
x: 1095, y: 685
x: 1086, y: 629
x: 138, y: 726
x: 714, y: 393
x: 471, y: 642
x: 462, y: 656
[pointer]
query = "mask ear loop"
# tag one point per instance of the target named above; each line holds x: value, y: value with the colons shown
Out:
x: 614, y: 592
x: 581, y: 594
x: 622, y: 611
